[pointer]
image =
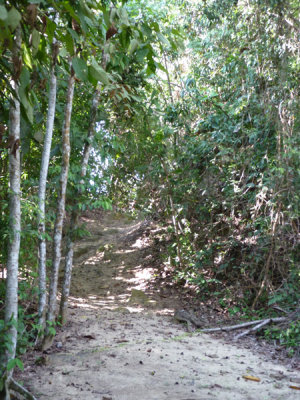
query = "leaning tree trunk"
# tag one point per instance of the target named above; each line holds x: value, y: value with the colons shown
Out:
x: 74, y: 215
x: 42, y: 188
x: 60, y: 213
x: 11, y: 298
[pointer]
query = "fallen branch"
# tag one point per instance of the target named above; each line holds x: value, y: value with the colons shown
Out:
x: 254, y: 329
x: 16, y: 387
x: 243, y: 325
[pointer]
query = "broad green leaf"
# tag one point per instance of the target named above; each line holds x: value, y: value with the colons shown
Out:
x: 123, y: 17
x: 25, y: 77
x: 3, y: 13
x: 68, y: 42
x: 74, y: 34
x: 155, y: 26
x: 35, y: 41
x: 11, y: 364
x: 98, y: 73
x: 39, y: 136
x: 112, y: 16
x: 176, y: 32
x: 134, y: 44
x: 124, y: 38
x: 106, y: 18
x: 80, y: 68
x: 160, y: 66
x: 70, y: 9
x: 63, y: 52
x: 149, y: 70
x: 86, y: 10
x: 163, y: 39
x: 146, y: 30
x: 13, y: 18
x: 19, y: 364
x: 141, y: 54
x: 26, y: 103
x: 110, y: 48
x: 27, y: 56
x: 50, y: 29
x: 89, y: 22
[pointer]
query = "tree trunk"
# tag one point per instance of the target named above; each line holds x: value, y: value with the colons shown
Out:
x: 60, y: 213
x: 42, y: 189
x: 74, y: 215
x: 11, y: 298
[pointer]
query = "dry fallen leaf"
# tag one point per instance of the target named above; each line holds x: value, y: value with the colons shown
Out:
x: 251, y: 378
x: 91, y: 337
x: 294, y: 387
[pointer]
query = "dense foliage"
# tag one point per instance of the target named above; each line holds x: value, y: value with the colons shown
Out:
x: 197, y: 127
x: 216, y: 155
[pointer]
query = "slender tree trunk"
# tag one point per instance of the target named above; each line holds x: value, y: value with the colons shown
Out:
x: 175, y: 138
x: 60, y: 213
x: 74, y: 215
x: 42, y: 188
x: 11, y: 298
x: 173, y: 215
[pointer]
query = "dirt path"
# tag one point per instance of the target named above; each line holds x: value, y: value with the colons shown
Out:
x: 122, y: 343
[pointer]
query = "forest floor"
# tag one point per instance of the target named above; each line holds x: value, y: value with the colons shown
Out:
x: 122, y: 342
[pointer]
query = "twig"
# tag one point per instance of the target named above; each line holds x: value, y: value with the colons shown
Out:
x: 243, y: 325
x: 232, y: 327
x: 20, y: 389
x: 254, y: 329
x: 279, y: 309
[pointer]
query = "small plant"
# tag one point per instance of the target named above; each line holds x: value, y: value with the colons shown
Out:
x: 289, y: 337
x: 6, y: 345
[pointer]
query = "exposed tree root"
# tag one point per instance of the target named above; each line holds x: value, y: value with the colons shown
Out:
x: 16, y: 387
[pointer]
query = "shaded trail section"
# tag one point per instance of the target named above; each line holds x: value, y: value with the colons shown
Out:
x: 122, y: 342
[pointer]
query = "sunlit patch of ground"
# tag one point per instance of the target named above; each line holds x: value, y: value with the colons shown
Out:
x: 121, y: 342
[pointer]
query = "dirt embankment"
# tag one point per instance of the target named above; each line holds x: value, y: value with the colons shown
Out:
x: 122, y: 342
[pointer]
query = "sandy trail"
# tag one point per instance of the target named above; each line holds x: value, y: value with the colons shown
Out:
x: 121, y: 342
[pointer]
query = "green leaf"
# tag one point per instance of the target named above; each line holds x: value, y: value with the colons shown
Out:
x: 13, y: 18
x: 68, y: 42
x: 86, y: 10
x: 11, y: 364
x: 80, y: 68
x: 27, y: 56
x: 155, y: 26
x: 98, y: 73
x: 26, y: 103
x: 141, y: 54
x: 113, y: 13
x: 123, y: 17
x: 3, y: 13
x: 50, y: 29
x: 63, y: 52
x: 19, y: 364
x: 25, y: 77
x: 147, y: 31
x: 163, y: 39
x: 160, y: 66
x: 106, y: 18
x: 35, y: 41
x: 52, y: 331
x: 39, y: 136
x: 70, y: 9
x: 133, y: 46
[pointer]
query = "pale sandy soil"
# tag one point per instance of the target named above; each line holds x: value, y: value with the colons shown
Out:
x: 122, y: 342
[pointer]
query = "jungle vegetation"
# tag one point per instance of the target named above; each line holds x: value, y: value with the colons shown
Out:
x: 185, y: 112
